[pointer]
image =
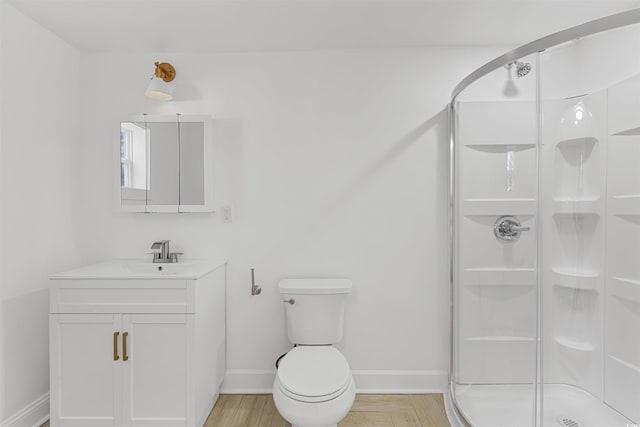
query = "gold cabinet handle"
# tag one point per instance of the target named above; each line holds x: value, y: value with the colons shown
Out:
x: 115, y: 346
x: 124, y: 346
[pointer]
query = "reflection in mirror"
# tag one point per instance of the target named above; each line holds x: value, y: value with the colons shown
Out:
x: 191, y: 163
x: 133, y: 163
x: 162, y: 164
x: 163, y: 188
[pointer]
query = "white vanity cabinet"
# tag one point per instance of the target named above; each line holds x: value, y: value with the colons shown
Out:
x: 136, y: 352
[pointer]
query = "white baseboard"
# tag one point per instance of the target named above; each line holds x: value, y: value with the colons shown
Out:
x: 32, y: 415
x: 248, y: 381
x: 400, y: 382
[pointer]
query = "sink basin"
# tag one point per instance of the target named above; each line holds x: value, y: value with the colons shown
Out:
x: 158, y: 268
x: 189, y: 269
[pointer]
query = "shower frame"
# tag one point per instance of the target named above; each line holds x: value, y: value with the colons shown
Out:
x: 538, y: 46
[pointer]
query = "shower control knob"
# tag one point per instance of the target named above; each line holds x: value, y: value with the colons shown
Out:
x: 508, y: 228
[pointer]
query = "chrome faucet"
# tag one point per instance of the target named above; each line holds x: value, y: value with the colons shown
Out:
x: 161, y: 252
x: 508, y: 228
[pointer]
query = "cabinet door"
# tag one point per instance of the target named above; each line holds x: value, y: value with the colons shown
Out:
x: 85, y: 377
x: 157, y: 381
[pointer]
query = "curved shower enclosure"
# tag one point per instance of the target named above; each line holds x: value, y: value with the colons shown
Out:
x: 545, y: 196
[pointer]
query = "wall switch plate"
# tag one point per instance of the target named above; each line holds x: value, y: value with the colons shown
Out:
x: 226, y: 214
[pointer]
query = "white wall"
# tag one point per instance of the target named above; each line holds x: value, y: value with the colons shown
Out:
x: 39, y: 155
x: 336, y: 164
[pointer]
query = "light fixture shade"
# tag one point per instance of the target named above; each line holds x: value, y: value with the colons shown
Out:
x: 159, y: 89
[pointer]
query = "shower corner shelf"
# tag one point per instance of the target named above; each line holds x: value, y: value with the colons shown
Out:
x: 625, y: 204
x: 634, y: 131
x: 573, y: 272
x: 574, y: 344
x: 635, y: 197
x: 577, y: 141
x: 626, y: 289
x: 575, y: 206
x: 633, y: 367
x: 578, y: 280
x: 500, y: 146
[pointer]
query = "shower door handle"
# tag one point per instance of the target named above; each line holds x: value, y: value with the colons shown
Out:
x: 508, y: 228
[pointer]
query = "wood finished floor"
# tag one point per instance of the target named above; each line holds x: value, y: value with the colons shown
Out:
x: 369, y: 410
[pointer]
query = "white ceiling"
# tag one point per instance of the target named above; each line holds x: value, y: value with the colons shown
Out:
x: 223, y: 25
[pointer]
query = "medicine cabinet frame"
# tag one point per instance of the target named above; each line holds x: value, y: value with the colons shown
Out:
x: 208, y: 173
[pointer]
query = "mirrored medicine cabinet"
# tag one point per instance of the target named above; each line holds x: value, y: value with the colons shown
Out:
x: 164, y: 164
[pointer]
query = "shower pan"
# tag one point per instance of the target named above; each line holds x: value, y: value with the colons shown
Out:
x: 545, y: 233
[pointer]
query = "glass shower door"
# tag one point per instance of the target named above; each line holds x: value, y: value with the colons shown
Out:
x: 495, y: 249
x: 590, y: 101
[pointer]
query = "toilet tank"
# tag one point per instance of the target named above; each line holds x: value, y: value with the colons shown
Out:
x: 314, y: 309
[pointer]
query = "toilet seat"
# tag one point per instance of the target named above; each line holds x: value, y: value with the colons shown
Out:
x: 313, y: 374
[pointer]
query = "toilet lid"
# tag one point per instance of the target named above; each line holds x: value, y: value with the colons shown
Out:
x: 314, y: 371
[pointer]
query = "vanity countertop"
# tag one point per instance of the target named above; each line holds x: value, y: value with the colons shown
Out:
x: 185, y: 269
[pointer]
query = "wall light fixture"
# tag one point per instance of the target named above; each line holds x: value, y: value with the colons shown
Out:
x: 162, y: 82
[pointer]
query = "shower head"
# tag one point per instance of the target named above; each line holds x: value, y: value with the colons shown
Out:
x: 522, y: 68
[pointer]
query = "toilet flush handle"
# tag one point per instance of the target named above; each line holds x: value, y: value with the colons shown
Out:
x: 290, y: 301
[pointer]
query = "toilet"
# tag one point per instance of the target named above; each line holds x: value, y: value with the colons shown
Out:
x: 314, y: 386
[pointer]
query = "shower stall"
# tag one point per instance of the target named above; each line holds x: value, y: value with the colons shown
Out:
x: 545, y: 232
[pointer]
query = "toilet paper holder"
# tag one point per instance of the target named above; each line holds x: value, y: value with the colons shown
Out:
x: 255, y: 289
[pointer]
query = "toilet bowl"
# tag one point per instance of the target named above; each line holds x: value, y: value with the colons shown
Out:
x: 314, y: 386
